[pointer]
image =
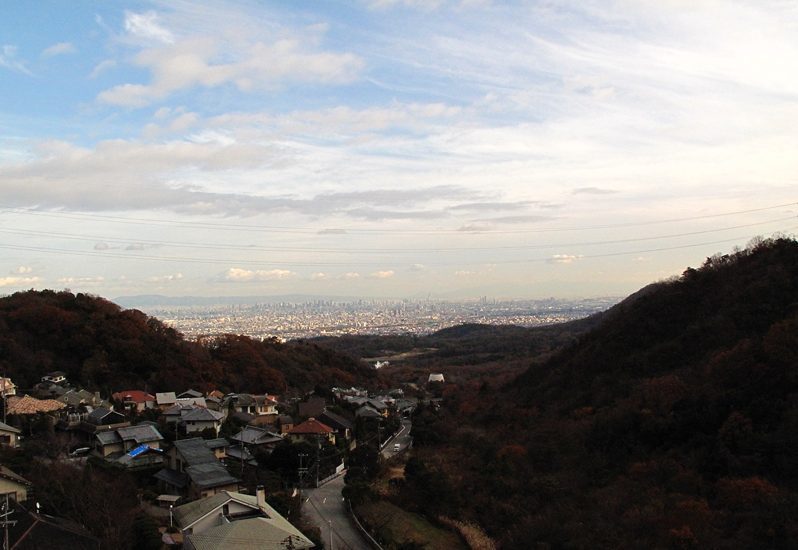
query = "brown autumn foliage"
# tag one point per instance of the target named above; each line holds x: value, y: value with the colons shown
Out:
x: 101, y: 346
x: 672, y: 424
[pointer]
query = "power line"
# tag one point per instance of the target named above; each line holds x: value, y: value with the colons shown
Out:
x: 354, y: 230
x: 336, y: 250
x: 270, y: 263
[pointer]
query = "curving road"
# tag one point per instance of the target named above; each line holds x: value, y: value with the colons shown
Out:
x: 326, y: 508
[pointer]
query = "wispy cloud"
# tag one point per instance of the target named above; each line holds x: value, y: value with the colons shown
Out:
x: 9, y: 60
x: 238, y: 275
x: 19, y: 281
x: 61, y: 48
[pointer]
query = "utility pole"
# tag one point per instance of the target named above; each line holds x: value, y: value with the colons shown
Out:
x: 302, y: 472
x: 329, y: 521
x: 6, y: 523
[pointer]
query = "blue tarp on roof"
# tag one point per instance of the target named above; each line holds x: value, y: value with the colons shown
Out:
x: 138, y: 450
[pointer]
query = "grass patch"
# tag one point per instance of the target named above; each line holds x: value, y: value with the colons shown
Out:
x: 394, y: 527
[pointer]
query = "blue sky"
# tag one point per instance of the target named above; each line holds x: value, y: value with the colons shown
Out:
x: 390, y: 148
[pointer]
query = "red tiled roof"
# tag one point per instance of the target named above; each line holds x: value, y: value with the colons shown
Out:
x: 136, y: 396
x: 311, y: 426
x: 31, y: 405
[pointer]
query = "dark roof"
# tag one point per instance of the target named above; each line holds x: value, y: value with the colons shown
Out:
x: 368, y: 412
x: 195, y: 451
x: 172, y: 477
x: 217, y: 443
x: 98, y: 417
x: 8, y: 474
x: 335, y: 421
x: 108, y: 437
x: 312, y: 407
x: 6, y: 428
x: 210, y: 474
x: 33, y: 531
x: 190, y: 393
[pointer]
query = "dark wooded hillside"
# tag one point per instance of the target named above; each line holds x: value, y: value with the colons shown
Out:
x: 99, y: 345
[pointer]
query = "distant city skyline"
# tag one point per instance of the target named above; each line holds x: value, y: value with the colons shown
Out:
x: 390, y: 148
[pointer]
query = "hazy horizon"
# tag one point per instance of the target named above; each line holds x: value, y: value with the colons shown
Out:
x: 390, y: 148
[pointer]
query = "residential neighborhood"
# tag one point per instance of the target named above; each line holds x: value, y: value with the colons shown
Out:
x: 200, y: 460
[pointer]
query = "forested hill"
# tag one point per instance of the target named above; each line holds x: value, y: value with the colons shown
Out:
x: 100, y: 345
x: 673, y: 424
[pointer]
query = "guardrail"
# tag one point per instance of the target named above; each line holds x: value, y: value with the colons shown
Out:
x: 374, y: 544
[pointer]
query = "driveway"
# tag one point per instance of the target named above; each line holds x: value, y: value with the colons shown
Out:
x: 326, y: 508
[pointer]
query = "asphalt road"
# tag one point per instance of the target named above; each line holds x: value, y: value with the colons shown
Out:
x: 325, y: 505
x: 402, y: 438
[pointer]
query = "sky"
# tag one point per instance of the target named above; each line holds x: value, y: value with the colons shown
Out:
x: 390, y: 148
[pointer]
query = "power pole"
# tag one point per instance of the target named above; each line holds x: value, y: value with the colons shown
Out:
x: 6, y: 523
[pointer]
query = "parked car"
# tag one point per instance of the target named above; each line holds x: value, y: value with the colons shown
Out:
x: 396, y: 447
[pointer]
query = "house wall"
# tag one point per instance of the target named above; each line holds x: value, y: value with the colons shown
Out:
x: 13, y: 488
x: 108, y: 449
x: 8, y: 438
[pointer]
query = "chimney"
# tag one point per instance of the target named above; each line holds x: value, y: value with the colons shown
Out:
x: 260, y: 491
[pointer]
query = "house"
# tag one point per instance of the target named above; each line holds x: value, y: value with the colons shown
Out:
x: 112, y: 444
x: 7, y: 387
x: 313, y: 407
x: 251, y: 404
x: 219, y: 447
x: 190, y: 393
x: 9, y: 435
x: 254, y: 437
x: 378, y: 405
x: 134, y: 401
x: 435, y: 377
x: 312, y: 430
x: 197, y: 419
x: 366, y: 411
x: 286, y: 423
x: 343, y: 427
x: 102, y: 416
x: 55, y: 377
x: 13, y: 485
x: 194, y: 471
x: 165, y: 400
x: 232, y: 520
x: 31, y: 530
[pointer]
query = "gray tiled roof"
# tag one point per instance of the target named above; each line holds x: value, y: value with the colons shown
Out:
x: 195, y: 451
x: 217, y: 443
x: 108, y: 438
x: 172, y: 477
x: 210, y: 474
x: 252, y: 435
x: 142, y: 433
x: 199, y: 414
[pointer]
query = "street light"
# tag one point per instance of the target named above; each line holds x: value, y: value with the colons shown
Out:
x: 170, y: 515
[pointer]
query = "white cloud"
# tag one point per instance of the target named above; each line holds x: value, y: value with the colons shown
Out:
x: 238, y: 275
x: 146, y: 25
x: 61, y: 48
x: 386, y: 274
x: 350, y: 276
x: 564, y: 258
x: 19, y: 281
x: 22, y: 270
x: 102, y: 246
x: 81, y: 280
x: 202, y: 62
x: 165, y: 278
x: 319, y: 276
